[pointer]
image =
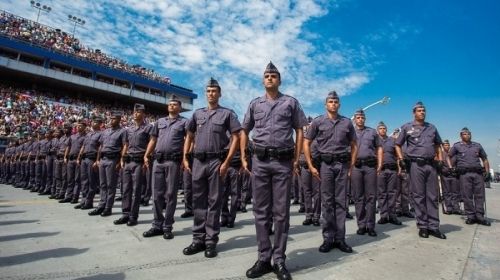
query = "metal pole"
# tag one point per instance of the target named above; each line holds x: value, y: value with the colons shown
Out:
x: 38, y: 15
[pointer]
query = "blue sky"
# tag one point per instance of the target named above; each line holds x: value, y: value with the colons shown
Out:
x: 444, y: 53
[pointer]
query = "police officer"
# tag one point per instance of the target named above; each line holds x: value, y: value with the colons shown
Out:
x: 108, y: 161
x: 41, y: 167
x: 311, y: 186
x: 187, y: 184
x: 32, y: 152
x: 387, y: 178
x: 55, y: 173
x: 232, y: 190
x: 364, y: 174
x: 51, y: 159
x: 404, y: 205
x: 166, y: 146
x: 207, y: 130
x: 423, y: 147
x: 273, y: 118
x: 61, y: 169
x: 469, y: 156
x: 89, y: 175
x: 48, y: 163
x: 134, y: 176
x: 75, y: 143
x: 335, y: 135
x: 449, y: 183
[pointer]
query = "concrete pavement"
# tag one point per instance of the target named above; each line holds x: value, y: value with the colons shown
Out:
x: 42, y: 239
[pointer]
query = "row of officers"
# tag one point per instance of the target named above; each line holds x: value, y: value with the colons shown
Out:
x: 335, y: 159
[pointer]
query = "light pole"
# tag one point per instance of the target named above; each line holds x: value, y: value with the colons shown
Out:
x: 40, y: 7
x: 76, y: 20
x: 382, y: 101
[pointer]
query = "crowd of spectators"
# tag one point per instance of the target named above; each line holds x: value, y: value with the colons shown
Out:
x: 24, y: 111
x: 60, y: 41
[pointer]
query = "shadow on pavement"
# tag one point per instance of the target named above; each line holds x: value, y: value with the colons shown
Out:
x: 11, y: 212
x: 26, y: 235
x: 16, y: 222
x: 115, y: 276
x: 40, y: 255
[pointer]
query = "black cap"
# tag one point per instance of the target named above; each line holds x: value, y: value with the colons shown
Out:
x: 332, y: 95
x: 139, y: 107
x: 213, y: 83
x: 271, y: 68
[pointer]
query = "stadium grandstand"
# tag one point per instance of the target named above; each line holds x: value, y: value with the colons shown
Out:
x: 48, y: 77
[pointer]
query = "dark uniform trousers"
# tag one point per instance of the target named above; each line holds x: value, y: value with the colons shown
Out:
x: 311, y: 190
x: 246, y: 189
x: 26, y: 174
x: 32, y: 172
x: 90, y: 181
x: 187, y: 183
x: 133, y: 178
x: 364, y: 194
x: 40, y: 174
x: 271, y: 186
x: 49, y: 163
x: 207, y: 198
x: 424, y: 193
x: 334, y: 181
x: 147, y: 188
x: 387, y: 182
x: 403, y: 199
x: 232, y: 190
x: 73, y: 175
x: 473, y: 192
x: 166, y: 176
x: 60, y: 171
x: 451, y: 192
x: 108, y: 179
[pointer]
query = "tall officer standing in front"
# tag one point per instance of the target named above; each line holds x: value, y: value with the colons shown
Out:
x: 423, y: 157
x: 335, y: 136
x: 166, y: 145
x: 108, y: 162
x: 273, y: 118
x: 207, y: 130
x: 469, y: 155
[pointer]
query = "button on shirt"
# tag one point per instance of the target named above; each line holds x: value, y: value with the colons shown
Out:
x: 334, y: 136
x: 113, y: 140
x: 75, y: 143
x: 389, y: 147
x: 467, y: 155
x: 138, y: 138
x: 420, y: 139
x: 368, y: 142
x: 273, y: 121
x: 170, y: 133
x: 92, y: 142
x: 210, y: 127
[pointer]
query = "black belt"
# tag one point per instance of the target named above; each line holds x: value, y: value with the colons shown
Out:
x: 60, y: 157
x: 390, y: 166
x: 90, y: 155
x: 32, y: 157
x: 370, y: 162
x: 51, y: 153
x: 422, y: 161
x: 134, y: 158
x: 161, y: 157
x: 111, y: 155
x: 464, y: 170
x: 264, y: 153
x: 334, y: 158
x: 202, y: 156
x: 41, y: 157
x: 72, y: 157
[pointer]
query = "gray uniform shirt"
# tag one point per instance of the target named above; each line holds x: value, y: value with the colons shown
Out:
x: 420, y: 139
x: 44, y: 147
x: 389, y: 147
x: 170, y: 133
x: 75, y: 143
x: 467, y: 155
x: 138, y: 139
x: 113, y: 140
x: 368, y: 142
x: 63, y: 144
x: 334, y: 136
x: 92, y: 142
x: 273, y: 121
x: 210, y: 127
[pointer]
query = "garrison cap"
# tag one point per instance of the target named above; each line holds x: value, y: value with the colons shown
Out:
x: 446, y: 141
x: 332, y: 95
x: 419, y: 104
x: 213, y: 83
x: 174, y: 98
x: 98, y: 119
x: 271, y: 68
x: 359, y: 112
x: 381, y: 124
x: 116, y: 114
x: 464, y: 130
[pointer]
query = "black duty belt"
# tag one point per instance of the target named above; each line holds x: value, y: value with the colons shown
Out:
x: 264, y: 153
x: 41, y: 157
x: 335, y: 158
x: 52, y: 153
x: 32, y: 157
x: 111, y: 155
x: 72, y: 157
x: 390, y: 166
x: 161, y: 157
x: 60, y: 157
x: 464, y: 170
x: 134, y: 158
x: 24, y: 158
x: 203, y: 156
x: 370, y: 162
x: 90, y: 155
x: 421, y: 161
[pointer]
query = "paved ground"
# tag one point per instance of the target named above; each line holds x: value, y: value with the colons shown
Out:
x: 42, y: 239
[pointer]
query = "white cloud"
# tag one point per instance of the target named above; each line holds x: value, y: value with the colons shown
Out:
x: 230, y: 40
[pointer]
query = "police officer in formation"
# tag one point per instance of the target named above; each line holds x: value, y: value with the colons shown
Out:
x: 272, y: 118
x: 310, y: 186
x: 472, y: 175
x: 207, y: 130
x: 165, y: 146
x: 75, y: 143
x: 387, y: 178
x: 422, y: 158
x: 449, y: 183
x: 60, y: 166
x: 336, y: 138
x: 88, y: 166
x: 108, y: 161
x: 364, y: 174
x: 133, y: 168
